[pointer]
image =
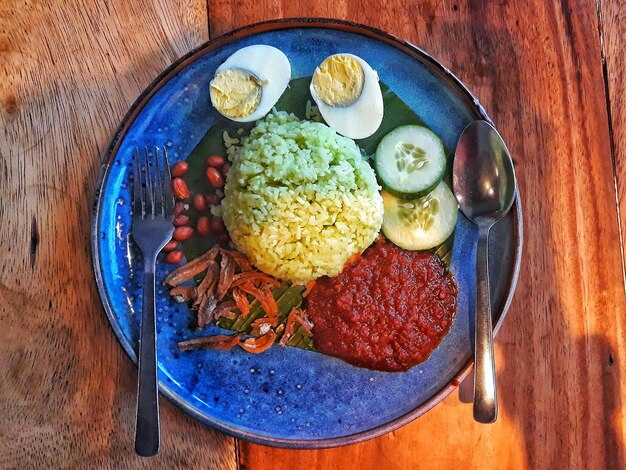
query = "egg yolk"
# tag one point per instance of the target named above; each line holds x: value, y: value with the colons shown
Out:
x: 338, y: 81
x: 235, y: 93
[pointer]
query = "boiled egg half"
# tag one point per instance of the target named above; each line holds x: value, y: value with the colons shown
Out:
x: 346, y: 91
x: 250, y: 82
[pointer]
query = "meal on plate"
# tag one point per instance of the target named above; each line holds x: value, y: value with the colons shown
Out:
x: 318, y: 226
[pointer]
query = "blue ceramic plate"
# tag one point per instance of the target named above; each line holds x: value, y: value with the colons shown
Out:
x: 286, y: 396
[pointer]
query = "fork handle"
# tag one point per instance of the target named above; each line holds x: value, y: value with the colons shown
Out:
x: 147, y: 433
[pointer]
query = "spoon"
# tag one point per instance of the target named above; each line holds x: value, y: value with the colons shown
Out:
x: 483, y: 181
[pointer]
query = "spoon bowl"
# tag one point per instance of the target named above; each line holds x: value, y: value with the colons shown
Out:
x: 483, y: 178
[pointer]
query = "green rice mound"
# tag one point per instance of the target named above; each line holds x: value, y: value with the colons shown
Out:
x: 300, y: 200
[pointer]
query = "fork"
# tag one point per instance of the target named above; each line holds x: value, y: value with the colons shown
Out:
x: 153, y: 214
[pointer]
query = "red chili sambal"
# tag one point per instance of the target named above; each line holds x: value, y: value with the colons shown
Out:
x: 388, y: 310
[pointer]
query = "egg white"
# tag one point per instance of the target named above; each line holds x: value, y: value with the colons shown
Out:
x: 361, y: 118
x: 271, y: 66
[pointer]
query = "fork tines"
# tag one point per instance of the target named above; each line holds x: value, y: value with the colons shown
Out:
x: 152, y: 188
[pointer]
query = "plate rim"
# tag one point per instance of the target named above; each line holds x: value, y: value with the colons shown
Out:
x: 153, y: 88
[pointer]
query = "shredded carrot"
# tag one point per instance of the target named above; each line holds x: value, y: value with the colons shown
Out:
x: 270, y: 301
x: 260, y: 344
x: 265, y: 321
x: 254, y: 276
x: 304, y: 323
x: 308, y: 288
x: 268, y: 306
x: 352, y: 259
x: 241, y: 300
x: 290, y: 328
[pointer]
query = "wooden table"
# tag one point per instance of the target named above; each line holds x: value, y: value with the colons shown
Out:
x: 551, y: 75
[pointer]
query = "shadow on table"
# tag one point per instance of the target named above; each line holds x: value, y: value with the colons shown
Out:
x: 73, y: 389
x: 540, y: 422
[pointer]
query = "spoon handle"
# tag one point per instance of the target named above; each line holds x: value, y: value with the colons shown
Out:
x: 485, y: 398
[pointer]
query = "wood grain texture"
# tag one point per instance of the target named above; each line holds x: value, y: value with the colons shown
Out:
x: 68, y: 73
x: 613, y: 30
x: 536, y: 66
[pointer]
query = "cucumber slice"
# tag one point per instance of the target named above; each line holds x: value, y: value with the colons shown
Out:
x: 422, y: 223
x: 410, y: 161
